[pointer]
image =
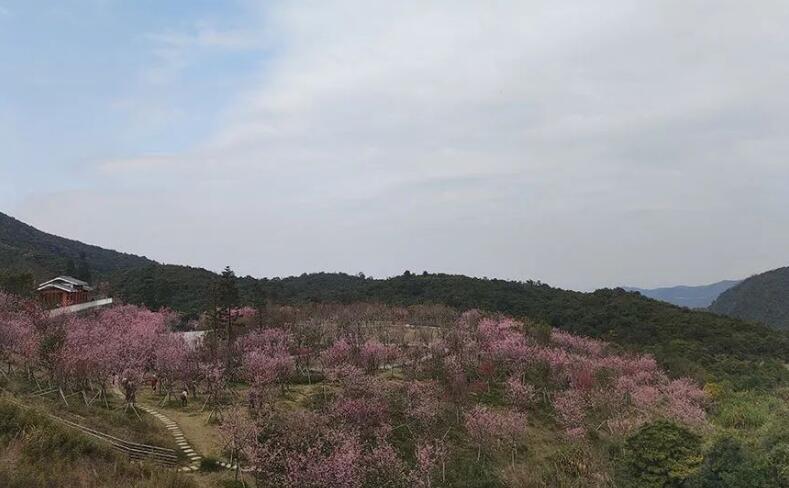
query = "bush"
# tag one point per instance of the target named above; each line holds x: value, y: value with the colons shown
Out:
x: 661, y: 454
x: 209, y: 464
x: 746, y: 410
x: 728, y: 464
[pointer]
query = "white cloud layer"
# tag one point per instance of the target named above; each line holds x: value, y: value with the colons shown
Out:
x: 581, y: 143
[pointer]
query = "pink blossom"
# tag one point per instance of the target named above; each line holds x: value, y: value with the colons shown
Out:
x: 373, y: 354
x: 491, y: 429
x: 518, y: 393
x: 340, y: 352
x: 364, y: 413
x: 579, y: 344
x: 337, y: 463
x: 570, y: 407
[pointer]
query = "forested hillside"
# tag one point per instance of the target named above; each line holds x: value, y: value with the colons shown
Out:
x: 763, y: 298
x: 695, y: 343
x: 25, y: 249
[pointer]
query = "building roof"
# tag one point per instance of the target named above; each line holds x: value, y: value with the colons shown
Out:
x: 65, y: 283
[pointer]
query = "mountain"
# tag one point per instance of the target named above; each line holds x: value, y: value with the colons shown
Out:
x: 762, y: 298
x: 687, y: 342
x: 687, y: 296
x: 25, y: 249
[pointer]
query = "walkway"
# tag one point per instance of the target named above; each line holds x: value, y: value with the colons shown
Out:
x: 183, y: 444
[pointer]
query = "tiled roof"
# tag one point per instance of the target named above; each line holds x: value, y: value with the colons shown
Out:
x: 65, y: 283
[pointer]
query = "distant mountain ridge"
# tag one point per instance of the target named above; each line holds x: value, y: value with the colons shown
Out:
x: 762, y: 298
x: 687, y: 296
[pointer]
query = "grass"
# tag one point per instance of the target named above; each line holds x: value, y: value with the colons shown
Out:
x: 746, y: 410
x: 204, y: 437
x: 113, y: 420
x: 37, y: 453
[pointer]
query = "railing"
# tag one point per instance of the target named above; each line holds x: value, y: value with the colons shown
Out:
x: 161, y: 455
x: 134, y: 450
x: 80, y: 307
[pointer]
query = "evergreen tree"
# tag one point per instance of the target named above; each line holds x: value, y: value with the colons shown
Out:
x: 261, y: 304
x: 83, y: 269
x: 729, y: 464
x: 18, y: 284
x: 227, y: 300
x: 661, y: 455
x: 71, y: 268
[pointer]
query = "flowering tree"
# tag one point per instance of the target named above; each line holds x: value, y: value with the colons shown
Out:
x: 491, y: 429
x: 214, y: 379
x: 335, y: 461
x: 429, y: 456
x: 341, y: 352
x: 519, y: 394
x: 266, y: 359
x: 238, y: 435
x: 172, y: 364
x: 18, y: 333
x: 264, y: 368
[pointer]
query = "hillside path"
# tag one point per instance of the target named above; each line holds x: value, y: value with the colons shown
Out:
x: 180, y: 440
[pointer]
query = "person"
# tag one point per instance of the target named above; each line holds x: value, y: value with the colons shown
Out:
x: 129, y: 392
x: 154, y: 382
x: 184, y: 395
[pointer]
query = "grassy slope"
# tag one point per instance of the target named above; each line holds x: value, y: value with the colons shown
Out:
x: 112, y: 420
x: 35, y: 452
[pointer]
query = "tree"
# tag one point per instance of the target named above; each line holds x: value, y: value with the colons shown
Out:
x: 227, y: 301
x: 71, y: 268
x: 83, y: 269
x: 728, y: 464
x: 492, y: 429
x: 261, y: 305
x: 17, y: 283
x: 661, y: 454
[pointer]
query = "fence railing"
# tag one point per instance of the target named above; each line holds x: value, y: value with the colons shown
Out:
x: 80, y: 307
x: 134, y: 450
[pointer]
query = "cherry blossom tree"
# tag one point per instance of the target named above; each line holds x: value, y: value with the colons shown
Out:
x: 336, y: 461
x: 492, y: 429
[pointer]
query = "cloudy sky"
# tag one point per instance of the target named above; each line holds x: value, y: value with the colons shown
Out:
x: 584, y: 144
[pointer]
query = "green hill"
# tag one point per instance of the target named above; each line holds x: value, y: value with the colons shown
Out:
x: 687, y: 342
x: 25, y: 249
x: 762, y: 298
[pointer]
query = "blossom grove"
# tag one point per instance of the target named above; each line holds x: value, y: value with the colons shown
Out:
x: 380, y: 409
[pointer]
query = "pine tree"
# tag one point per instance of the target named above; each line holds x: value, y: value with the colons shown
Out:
x: 83, y: 269
x: 227, y: 298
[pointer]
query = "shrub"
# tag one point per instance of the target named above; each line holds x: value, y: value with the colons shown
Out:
x: 661, y: 454
x: 746, y: 411
x: 728, y: 464
x: 209, y: 464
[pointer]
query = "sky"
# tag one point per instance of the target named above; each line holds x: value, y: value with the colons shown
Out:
x: 583, y: 144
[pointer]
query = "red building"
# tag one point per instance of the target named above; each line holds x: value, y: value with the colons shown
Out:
x: 64, y: 291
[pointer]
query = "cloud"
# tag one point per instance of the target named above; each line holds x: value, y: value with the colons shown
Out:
x: 175, y: 50
x: 584, y: 144
x: 204, y: 36
x: 134, y: 165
